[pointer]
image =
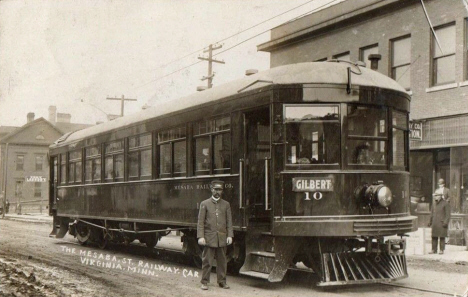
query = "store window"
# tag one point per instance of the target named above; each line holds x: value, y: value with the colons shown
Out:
x: 37, y: 189
x: 172, y: 146
x: 343, y: 56
x: 401, y: 61
x: 212, y: 146
x: 19, y: 188
x: 39, y: 162
x: 443, y: 55
x: 114, y: 161
x: 93, y: 164
x: 20, y: 162
x: 139, y: 156
x: 366, y: 51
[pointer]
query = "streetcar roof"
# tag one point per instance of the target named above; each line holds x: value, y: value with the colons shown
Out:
x: 302, y: 73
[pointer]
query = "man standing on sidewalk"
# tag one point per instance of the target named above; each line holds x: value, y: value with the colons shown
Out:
x: 215, y: 233
x: 440, y: 218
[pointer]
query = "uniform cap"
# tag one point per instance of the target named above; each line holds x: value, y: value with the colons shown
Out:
x: 219, y: 184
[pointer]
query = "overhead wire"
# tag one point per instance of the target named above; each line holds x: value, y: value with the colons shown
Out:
x: 243, y: 41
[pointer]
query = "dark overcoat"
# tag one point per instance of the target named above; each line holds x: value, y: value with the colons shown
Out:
x: 215, y: 222
x: 440, y: 218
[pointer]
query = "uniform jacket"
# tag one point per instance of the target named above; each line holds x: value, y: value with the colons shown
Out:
x: 440, y: 218
x: 215, y: 222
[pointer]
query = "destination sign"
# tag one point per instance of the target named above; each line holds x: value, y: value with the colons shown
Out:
x: 313, y: 184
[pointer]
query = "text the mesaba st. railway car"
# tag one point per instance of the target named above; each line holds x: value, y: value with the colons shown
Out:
x: 314, y: 157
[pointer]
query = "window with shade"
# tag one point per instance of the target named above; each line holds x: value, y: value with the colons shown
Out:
x: 212, y: 142
x: 172, y: 147
x: 74, y: 167
x: 401, y: 61
x: 140, y: 157
x: 93, y: 164
x: 443, y: 55
x: 366, y: 51
x: 114, y: 161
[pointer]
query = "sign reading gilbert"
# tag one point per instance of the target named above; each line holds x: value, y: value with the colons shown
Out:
x: 314, y: 185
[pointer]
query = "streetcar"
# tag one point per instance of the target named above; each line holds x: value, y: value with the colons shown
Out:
x: 314, y: 157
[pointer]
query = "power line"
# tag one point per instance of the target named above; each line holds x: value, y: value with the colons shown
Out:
x: 240, y: 32
x: 263, y: 32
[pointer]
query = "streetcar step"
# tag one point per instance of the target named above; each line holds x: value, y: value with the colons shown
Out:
x: 255, y: 274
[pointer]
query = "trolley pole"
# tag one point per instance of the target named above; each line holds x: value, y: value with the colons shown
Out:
x: 122, y: 100
x: 210, y: 60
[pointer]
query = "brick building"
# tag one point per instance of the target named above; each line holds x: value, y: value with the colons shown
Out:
x: 433, y: 70
x: 24, y: 166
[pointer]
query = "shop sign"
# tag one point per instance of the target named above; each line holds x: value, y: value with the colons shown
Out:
x: 36, y: 179
x: 415, y: 130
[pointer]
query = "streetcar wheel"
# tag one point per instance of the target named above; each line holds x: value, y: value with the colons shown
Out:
x: 82, y: 234
x: 151, y: 241
x: 102, y: 243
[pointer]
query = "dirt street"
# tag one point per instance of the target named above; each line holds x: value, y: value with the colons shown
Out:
x: 32, y: 264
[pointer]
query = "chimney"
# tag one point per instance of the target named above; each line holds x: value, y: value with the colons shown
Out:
x: 63, y: 117
x: 52, y: 114
x: 30, y: 117
x: 374, y: 58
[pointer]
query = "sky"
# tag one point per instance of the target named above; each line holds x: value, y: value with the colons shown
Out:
x: 75, y: 54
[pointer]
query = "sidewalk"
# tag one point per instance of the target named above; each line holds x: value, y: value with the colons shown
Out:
x: 32, y: 218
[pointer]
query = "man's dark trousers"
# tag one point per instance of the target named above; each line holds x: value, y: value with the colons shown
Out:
x: 209, y: 254
x: 442, y: 243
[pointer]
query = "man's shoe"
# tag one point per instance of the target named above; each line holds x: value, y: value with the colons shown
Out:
x: 441, y: 252
x: 432, y: 252
x: 224, y: 286
x: 204, y: 287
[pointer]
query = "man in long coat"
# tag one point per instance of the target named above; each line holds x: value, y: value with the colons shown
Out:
x: 440, y: 218
x: 215, y: 233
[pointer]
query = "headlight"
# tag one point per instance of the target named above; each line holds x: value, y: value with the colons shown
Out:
x: 384, y: 196
x: 378, y: 195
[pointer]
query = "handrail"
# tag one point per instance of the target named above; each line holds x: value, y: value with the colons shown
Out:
x: 241, y: 182
x: 266, y: 183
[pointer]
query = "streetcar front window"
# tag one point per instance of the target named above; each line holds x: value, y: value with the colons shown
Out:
x: 313, y: 134
x: 367, y: 135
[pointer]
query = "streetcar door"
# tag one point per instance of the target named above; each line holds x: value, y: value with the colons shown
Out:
x: 53, y: 184
x: 257, y: 149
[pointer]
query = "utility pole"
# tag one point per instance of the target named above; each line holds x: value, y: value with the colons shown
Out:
x: 210, y: 60
x: 122, y: 100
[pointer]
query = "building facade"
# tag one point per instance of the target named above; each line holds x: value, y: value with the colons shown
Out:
x: 24, y: 165
x: 432, y: 67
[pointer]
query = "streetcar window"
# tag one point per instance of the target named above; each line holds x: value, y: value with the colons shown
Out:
x: 202, y: 155
x: 139, y: 156
x: 113, y: 161
x: 212, y: 146
x: 172, y: 152
x: 313, y: 134
x: 63, y: 169
x: 400, y: 131
x: 367, y: 135
x: 74, y: 166
x: 93, y: 164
